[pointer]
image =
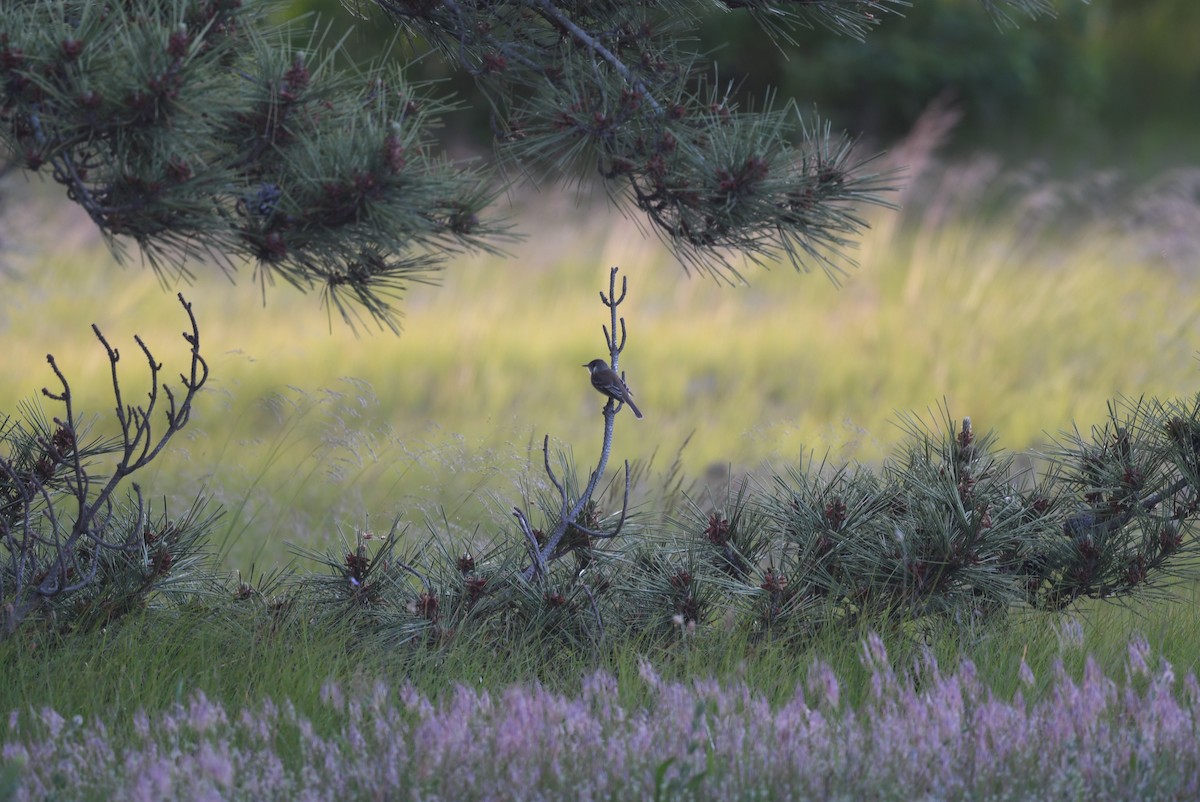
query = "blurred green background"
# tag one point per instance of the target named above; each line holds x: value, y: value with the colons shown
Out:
x: 1044, y: 261
x: 1104, y: 81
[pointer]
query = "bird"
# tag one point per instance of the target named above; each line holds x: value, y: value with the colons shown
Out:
x: 606, y: 380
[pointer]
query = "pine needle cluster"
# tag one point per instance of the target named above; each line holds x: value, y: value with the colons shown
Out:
x: 949, y: 530
x: 952, y: 531
x: 196, y: 128
x: 80, y: 547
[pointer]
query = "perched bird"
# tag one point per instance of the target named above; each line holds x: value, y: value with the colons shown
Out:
x: 606, y: 380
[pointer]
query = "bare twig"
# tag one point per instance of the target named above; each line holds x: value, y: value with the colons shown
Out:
x: 538, y: 563
x: 52, y: 554
x: 620, y: 523
x: 595, y: 611
x: 561, y: 21
x: 568, y: 514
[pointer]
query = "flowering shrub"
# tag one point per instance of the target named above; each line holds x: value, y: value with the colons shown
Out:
x: 922, y: 733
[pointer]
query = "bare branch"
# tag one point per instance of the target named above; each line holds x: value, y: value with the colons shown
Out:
x: 568, y: 515
x: 53, y: 554
x: 590, y: 42
x: 538, y: 566
x: 595, y: 611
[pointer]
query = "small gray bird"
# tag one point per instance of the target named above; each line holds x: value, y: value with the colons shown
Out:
x: 606, y: 380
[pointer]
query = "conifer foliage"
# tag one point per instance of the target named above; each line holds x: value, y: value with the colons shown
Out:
x: 951, y: 528
x: 193, y: 127
x: 78, y: 546
x: 196, y: 127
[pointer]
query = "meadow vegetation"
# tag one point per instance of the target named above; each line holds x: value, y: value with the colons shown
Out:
x: 924, y: 731
x: 1024, y: 316
x: 1028, y: 315
x: 925, y: 528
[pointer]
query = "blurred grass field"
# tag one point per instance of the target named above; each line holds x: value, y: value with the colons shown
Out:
x: 307, y: 429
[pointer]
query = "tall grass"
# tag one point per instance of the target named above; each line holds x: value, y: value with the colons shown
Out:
x: 1016, y: 715
x: 311, y: 431
x: 155, y: 659
x: 982, y: 293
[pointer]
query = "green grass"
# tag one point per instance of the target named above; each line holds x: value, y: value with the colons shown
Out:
x: 227, y: 654
x: 99, y: 682
x: 308, y: 428
x: 308, y: 432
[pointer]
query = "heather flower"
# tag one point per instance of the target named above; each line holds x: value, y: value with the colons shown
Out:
x: 1139, y: 653
x: 924, y: 733
x: 1070, y: 632
x: 1026, y: 674
x: 823, y: 685
x: 331, y: 695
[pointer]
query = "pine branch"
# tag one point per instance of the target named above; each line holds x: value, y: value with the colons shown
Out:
x: 576, y: 517
x: 194, y: 128
x: 609, y: 84
x: 68, y: 544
